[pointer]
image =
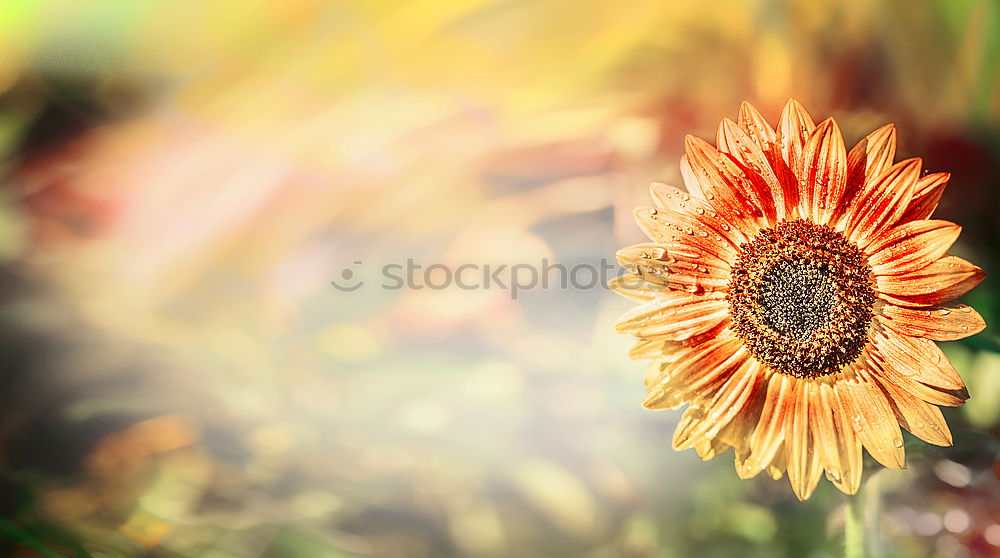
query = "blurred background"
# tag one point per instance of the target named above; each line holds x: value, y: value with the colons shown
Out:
x: 181, y: 182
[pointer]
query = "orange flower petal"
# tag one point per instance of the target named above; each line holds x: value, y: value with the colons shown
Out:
x: 634, y: 287
x: 923, y: 420
x: 658, y: 369
x: 769, y: 434
x: 945, y: 322
x: 926, y: 197
x: 918, y: 358
x: 930, y: 394
x: 822, y: 172
x: 882, y: 203
x: 778, y: 464
x: 946, y: 279
x: 646, y: 349
x: 706, y: 420
x: 677, y: 230
x: 733, y: 141
x: 911, y: 246
x: 794, y: 127
x: 710, y: 448
x: 674, y: 316
x: 873, y: 420
x: 839, y: 447
x: 737, y: 433
x: 867, y: 161
x: 724, y: 185
x: 734, y: 434
x: 801, y: 451
x: 709, y: 379
x: 674, y: 200
x: 676, y: 267
x: 698, y: 366
x: 758, y: 129
x: 687, y: 174
x: 881, y: 367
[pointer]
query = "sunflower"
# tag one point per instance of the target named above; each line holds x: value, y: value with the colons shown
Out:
x: 792, y: 297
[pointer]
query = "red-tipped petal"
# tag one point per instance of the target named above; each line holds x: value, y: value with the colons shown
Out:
x: 742, y: 148
x: 867, y: 162
x: 911, y: 246
x: 926, y: 197
x: 794, y: 128
x: 949, y: 321
x: 822, y: 172
x: 673, y: 199
x: 758, y: 129
x: 882, y: 203
x: 723, y: 184
x: 944, y: 280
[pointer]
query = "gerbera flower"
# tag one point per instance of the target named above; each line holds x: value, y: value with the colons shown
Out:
x: 792, y: 297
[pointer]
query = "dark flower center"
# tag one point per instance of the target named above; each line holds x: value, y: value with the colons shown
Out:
x: 801, y: 299
x: 797, y: 298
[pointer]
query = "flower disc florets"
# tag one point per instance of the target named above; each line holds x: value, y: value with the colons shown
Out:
x: 801, y: 298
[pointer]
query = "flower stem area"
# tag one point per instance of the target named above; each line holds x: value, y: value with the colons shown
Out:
x: 854, y: 527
